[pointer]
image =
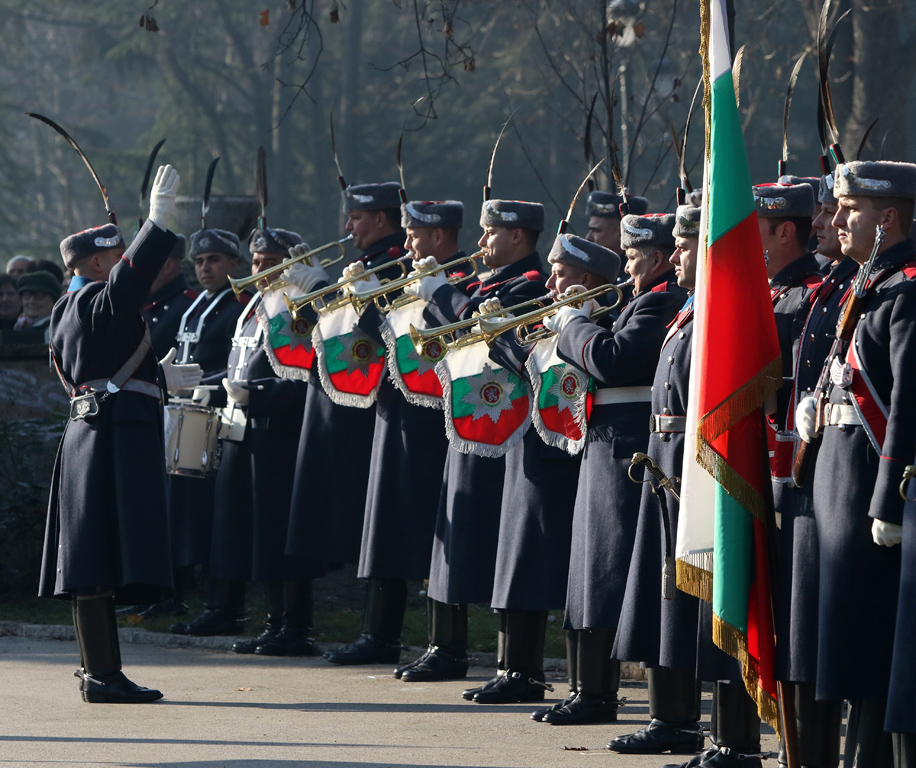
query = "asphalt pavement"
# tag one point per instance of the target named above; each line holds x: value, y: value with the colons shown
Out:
x: 222, y: 710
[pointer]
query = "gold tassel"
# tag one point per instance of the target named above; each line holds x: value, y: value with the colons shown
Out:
x: 694, y: 579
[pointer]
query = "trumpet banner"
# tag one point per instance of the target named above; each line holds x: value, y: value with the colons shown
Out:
x: 563, y: 397
x: 350, y: 363
x: 413, y: 372
x: 289, y: 342
x: 722, y: 548
x: 487, y: 407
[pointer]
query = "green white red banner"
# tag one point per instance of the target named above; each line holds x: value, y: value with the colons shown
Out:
x: 413, y: 372
x: 288, y: 342
x: 487, y: 407
x: 722, y: 552
x: 350, y: 363
x: 562, y: 397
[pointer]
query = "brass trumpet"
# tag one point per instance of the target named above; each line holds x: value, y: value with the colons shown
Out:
x: 446, y: 333
x: 319, y: 302
x: 380, y: 296
x: 490, y: 328
x: 261, y: 281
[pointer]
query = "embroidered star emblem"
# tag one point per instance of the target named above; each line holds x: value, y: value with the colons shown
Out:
x: 489, y: 393
x: 567, y: 387
x: 298, y: 333
x: 358, y: 350
x: 433, y: 352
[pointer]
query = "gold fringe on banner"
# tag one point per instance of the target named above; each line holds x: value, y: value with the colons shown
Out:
x: 725, y: 415
x: 694, y: 575
x: 734, y: 642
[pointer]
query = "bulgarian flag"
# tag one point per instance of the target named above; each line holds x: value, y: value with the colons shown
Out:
x: 487, y: 407
x: 289, y: 342
x: 722, y: 553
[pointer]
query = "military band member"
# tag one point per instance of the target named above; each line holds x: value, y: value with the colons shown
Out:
x: 205, y: 337
x: 335, y: 444
x: 603, y: 211
x: 169, y: 299
x: 255, y: 478
x: 467, y: 525
x: 796, y: 617
x: 107, y: 533
x: 621, y: 359
x: 408, y: 456
x: 867, y: 440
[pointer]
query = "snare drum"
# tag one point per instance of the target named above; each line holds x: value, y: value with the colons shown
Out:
x: 191, y: 439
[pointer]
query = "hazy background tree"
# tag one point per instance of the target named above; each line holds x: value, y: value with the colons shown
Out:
x: 221, y: 77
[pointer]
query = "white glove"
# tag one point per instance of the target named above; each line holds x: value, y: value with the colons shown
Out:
x: 162, y: 196
x: 425, y: 287
x: 179, y: 377
x: 565, y: 315
x: 886, y: 534
x: 490, y: 305
x: 201, y: 396
x: 426, y: 264
x: 358, y: 286
x: 237, y: 392
x: 304, y: 277
x: 805, y: 417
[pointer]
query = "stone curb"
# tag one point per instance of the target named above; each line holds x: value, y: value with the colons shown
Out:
x: 629, y: 670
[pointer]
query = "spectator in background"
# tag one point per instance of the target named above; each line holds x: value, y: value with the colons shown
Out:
x: 17, y: 266
x: 39, y: 292
x: 10, y: 303
x: 47, y: 265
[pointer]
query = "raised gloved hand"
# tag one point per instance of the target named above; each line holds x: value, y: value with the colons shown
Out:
x: 805, y: 419
x: 236, y: 391
x: 425, y: 287
x: 162, y: 196
x: 179, y: 377
x: 303, y: 276
x: 566, y: 314
x: 886, y: 534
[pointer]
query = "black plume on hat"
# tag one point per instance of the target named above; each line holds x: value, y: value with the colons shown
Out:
x: 89, y: 241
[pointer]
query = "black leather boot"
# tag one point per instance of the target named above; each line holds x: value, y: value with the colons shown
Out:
x: 297, y: 617
x: 380, y: 642
x: 598, y: 683
x: 904, y: 750
x: 674, y: 706
x: 101, y: 678
x: 572, y: 669
x: 735, y: 729
x: 470, y: 693
x: 524, y: 648
x: 225, y: 614
x: 868, y: 745
x: 271, y: 625
x: 447, y: 656
x: 819, y: 725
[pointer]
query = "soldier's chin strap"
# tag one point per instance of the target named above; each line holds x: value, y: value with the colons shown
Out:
x: 662, y: 483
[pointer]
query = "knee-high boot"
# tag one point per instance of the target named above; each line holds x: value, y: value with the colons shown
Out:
x: 501, y: 631
x: 597, y: 684
x: 447, y: 655
x: 380, y: 641
x: 572, y: 669
x: 868, y: 745
x: 296, y: 617
x: 523, y: 679
x: 102, y: 680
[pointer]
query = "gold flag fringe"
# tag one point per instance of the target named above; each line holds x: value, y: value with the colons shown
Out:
x: 725, y: 415
x: 694, y: 575
x: 734, y: 642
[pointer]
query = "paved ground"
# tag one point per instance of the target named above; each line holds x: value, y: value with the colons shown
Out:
x: 221, y: 709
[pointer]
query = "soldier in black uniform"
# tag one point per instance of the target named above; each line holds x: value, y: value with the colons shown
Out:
x: 867, y: 440
x: 796, y: 618
x: 621, y: 359
x: 467, y: 526
x: 169, y: 300
x: 205, y: 337
x: 408, y: 455
x: 107, y: 532
x: 335, y: 445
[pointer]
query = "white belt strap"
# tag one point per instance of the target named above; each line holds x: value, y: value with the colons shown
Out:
x: 131, y: 385
x: 612, y: 395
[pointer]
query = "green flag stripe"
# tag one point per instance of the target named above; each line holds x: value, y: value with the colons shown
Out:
x: 734, y: 546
